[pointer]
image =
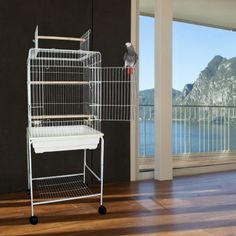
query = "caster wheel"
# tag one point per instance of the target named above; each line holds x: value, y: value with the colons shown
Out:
x: 33, y: 220
x: 102, y: 210
x: 27, y: 191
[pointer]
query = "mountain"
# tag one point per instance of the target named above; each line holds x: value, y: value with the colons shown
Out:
x: 215, y: 85
x: 146, y: 97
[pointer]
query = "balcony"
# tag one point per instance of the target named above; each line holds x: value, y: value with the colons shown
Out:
x: 196, y: 130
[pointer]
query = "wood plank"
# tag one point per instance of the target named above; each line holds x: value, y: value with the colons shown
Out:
x: 59, y: 82
x: 44, y: 117
x: 202, y: 205
x: 61, y: 38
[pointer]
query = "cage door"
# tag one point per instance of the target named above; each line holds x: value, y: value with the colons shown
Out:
x: 117, y: 93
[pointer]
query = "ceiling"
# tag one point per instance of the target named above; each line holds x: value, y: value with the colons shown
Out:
x: 216, y: 13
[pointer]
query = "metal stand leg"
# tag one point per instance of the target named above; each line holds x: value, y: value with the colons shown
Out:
x: 27, y: 142
x: 85, y: 163
x: 102, y: 163
x: 102, y: 210
x: 30, y: 178
x: 33, y: 219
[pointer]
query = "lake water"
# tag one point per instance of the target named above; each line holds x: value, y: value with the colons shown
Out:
x: 190, y: 138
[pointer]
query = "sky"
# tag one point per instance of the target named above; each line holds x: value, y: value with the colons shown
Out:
x: 193, y: 48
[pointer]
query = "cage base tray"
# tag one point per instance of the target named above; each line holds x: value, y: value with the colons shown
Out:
x: 64, y: 138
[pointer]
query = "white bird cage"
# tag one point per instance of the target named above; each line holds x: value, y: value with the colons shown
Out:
x: 69, y: 94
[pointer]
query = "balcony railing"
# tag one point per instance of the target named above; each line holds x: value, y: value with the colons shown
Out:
x: 195, y: 129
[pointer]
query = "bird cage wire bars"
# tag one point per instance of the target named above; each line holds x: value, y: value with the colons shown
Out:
x: 118, y: 94
x: 69, y: 94
x: 60, y: 91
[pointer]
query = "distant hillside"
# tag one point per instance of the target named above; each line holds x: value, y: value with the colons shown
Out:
x: 215, y: 85
x: 146, y: 97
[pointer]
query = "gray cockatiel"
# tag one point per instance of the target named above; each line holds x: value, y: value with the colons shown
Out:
x: 130, y: 58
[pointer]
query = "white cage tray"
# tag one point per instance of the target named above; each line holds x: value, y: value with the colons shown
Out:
x: 63, y: 138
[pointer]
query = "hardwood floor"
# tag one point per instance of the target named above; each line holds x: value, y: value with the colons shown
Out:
x: 196, y: 205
